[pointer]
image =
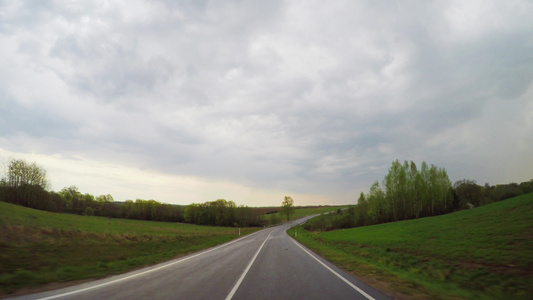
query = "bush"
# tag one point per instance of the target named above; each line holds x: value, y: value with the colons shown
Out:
x: 89, y: 211
x: 328, y: 222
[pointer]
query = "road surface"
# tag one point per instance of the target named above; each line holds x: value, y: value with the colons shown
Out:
x: 265, y: 265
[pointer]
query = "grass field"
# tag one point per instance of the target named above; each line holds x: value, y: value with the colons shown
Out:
x: 482, y: 253
x: 301, y: 212
x: 304, y: 212
x: 38, y: 247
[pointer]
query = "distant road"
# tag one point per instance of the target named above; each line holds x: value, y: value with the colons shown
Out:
x: 265, y: 265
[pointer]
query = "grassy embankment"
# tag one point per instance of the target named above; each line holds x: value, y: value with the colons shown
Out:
x: 305, y: 211
x: 299, y: 212
x: 38, y: 247
x: 482, y: 253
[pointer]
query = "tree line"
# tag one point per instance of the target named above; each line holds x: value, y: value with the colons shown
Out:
x: 222, y: 213
x: 408, y: 192
x: 26, y: 184
x: 71, y: 200
x: 467, y: 193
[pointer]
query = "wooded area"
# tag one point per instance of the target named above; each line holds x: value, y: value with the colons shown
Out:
x: 222, y: 213
x: 407, y: 192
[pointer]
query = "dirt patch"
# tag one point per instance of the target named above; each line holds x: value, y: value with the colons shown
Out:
x: 511, y: 270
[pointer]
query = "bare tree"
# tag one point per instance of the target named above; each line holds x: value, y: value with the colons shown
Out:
x: 20, y: 173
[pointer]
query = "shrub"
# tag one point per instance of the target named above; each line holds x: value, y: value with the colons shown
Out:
x: 89, y: 211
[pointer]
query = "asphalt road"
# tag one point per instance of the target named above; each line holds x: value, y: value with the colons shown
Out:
x: 265, y: 265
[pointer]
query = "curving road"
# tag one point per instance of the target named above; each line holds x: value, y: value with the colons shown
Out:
x: 265, y: 265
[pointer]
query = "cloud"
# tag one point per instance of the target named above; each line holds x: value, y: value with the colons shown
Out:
x: 309, y: 98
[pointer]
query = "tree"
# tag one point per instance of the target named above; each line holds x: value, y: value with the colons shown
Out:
x: 89, y: 211
x: 219, y: 213
x: 361, y: 211
x: 73, y: 199
x: 505, y: 191
x: 377, y: 209
x: 20, y: 173
x: 247, y: 216
x: 105, y: 198
x: 26, y: 184
x: 527, y: 186
x: 408, y: 193
x: 467, y: 191
x: 287, y: 207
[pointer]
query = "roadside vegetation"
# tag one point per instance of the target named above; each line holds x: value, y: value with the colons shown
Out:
x: 481, y: 253
x: 274, y: 215
x: 39, y: 247
x: 226, y: 213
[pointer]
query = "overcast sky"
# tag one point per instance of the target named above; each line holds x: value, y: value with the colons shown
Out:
x: 191, y: 101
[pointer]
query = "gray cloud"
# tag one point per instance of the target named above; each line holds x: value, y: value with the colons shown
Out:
x: 309, y: 97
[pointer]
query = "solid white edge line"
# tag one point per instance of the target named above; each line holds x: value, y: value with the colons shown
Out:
x: 337, y: 274
x: 238, y: 283
x: 145, y: 272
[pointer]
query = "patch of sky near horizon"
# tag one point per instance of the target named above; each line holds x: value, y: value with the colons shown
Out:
x: 127, y: 183
x: 266, y: 98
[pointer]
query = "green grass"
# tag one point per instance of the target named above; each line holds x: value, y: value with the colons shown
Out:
x: 482, y: 253
x: 301, y: 212
x: 38, y: 247
x: 304, y: 212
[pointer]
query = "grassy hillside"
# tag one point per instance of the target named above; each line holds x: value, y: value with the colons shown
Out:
x: 38, y: 247
x: 299, y: 212
x: 482, y: 253
x: 305, y: 211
